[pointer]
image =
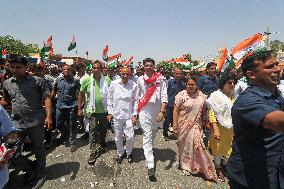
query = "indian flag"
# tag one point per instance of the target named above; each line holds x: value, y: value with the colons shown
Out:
x: 222, y: 59
x: 200, y: 65
x: 246, y: 46
x: 184, y: 62
x: 105, y: 53
x: 72, y: 44
x: 113, y: 60
x: 3, y: 53
x: 129, y: 61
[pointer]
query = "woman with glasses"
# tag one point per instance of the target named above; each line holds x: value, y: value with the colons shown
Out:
x: 219, y: 105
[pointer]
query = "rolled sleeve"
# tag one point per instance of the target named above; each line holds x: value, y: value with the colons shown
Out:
x: 253, y: 110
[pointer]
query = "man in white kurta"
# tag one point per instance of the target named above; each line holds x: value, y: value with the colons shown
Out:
x: 122, y: 108
x: 151, y: 112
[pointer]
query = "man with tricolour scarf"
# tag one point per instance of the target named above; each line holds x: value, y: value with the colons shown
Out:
x: 152, y: 90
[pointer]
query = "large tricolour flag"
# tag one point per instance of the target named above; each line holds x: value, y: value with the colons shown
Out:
x: 72, y: 44
x: 246, y: 46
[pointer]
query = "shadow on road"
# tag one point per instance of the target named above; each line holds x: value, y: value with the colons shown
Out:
x: 159, y: 154
x: 58, y: 170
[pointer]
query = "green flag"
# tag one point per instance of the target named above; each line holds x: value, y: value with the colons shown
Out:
x: 72, y: 44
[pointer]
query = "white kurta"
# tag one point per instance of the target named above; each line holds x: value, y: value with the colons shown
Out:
x: 148, y: 115
x: 122, y: 104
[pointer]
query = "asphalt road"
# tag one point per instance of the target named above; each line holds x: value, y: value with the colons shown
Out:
x: 70, y: 170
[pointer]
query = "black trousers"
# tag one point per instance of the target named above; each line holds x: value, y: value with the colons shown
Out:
x: 168, y: 120
x: 97, y: 131
x: 36, y: 134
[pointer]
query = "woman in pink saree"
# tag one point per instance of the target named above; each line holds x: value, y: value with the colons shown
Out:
x: 189, y: 117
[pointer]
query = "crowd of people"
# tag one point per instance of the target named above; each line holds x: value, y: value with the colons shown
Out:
x: 227, y: 124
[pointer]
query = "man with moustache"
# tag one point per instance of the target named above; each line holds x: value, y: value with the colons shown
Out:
x: 96, y: 91
x: 175, y: 85
x: 66, y: 88
x: 122, y: 108
x: 152, y: 91
x: 257, y: 159
x: 26, y: 94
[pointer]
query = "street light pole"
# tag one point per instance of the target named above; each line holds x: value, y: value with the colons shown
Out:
x: 267, y: 33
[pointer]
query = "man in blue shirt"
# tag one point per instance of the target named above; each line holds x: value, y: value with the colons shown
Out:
x: 175, y: 85
x: 257, y: 159
x: 6, y: 132
x: 66, y: 88
x: 208, y: 83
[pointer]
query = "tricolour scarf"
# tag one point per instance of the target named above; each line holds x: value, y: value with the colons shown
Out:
x: 149, y: 93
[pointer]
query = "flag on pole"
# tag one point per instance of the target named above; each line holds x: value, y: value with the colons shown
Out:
x: 113, y: 60
x: 202, y: 64
x: 49, y: 44
x: 105, y: 53
x: 184, y: 61
x: 3, y: 53
x: 129, y: 61
x: 72, y: 44
x: 222, y: 59
x: 248, y: 45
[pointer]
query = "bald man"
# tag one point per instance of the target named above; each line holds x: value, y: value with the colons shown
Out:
x: 122, y: 108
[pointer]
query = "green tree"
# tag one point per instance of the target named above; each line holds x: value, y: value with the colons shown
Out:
x: 16, y: 46
x: 276, y: 46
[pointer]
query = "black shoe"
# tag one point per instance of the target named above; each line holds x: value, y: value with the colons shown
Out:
x: 119, y: 159
x: 30, y: 174
x: 85, y: 136
x: 37, y: 182
x: 129, y: 158
x: 48, y: 144
x: 73, y: 148
x: 151, y: 175
x: 103, y: 146
x: 166, y: 138
x: 92, y: 159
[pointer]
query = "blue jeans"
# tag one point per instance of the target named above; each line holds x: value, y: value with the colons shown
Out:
x: 65, y: 123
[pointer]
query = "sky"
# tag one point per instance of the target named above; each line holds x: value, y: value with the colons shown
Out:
x: 160, y: 29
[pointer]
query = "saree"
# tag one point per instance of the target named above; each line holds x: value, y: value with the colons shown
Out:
x: 193, y: 155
